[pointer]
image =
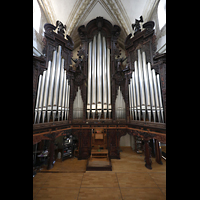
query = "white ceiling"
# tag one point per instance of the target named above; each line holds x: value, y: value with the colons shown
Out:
x: 74, y: 13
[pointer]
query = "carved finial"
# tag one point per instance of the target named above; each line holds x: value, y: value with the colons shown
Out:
x: 136, y: 26
x: 61, y: 28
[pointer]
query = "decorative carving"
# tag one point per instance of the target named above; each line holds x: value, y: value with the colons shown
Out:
x: 82, y: 31
x: 136, y: 26
x: 60, y: 27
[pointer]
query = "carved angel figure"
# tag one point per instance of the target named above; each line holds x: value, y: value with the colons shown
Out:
x: 60, y: 26
x: 119, y: 63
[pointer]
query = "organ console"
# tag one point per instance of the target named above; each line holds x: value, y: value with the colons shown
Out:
x: 100, y: 92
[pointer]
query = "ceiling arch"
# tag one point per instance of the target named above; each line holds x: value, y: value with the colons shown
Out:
x: 74, y: 13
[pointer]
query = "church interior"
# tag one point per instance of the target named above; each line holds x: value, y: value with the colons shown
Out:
x: 99, y: 99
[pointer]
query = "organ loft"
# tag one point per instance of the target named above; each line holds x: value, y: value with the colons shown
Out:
x: 100, y: 96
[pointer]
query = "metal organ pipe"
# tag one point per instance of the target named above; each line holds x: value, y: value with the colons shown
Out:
x: 108, y: 81
x: 99, y: 75
x: 160, y: 97
x: 105, y: 101
x: 50, y: 96
x: 137, y: 89
x: 152, y: 92
x: 145, y: 91
x: 38, y: 96
x: 134, y: 95
x: 60, y: 89
x: 46, y: 91
x: 146, y: 83
x: 41, y: 96
x: 56, y: 84
x: 94, y: 77
x: 51, y: 93
x: 63, y: 95
x: 89, y: 79
x: 156, y: 94
x: 99, y: 88
x: 141, y: 81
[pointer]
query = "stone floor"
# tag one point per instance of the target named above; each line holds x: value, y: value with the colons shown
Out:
x: 130, y: 179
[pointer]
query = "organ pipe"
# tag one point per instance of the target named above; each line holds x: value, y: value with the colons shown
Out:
x: 146, y: 83
x: 38, y: 96
x: 160, y: 97
x: 51, y: 93
x: 89, y: 79
x: 63, y: 96
x: 131, y: 94
x: 108, y: 81
x: 104, y: 80
x: 99, y: 75
x: 141, y: 81
x: 56, y: 84
x: 99, y: 88
x: 156, y: 94
x: 145, y: 91
x: 46, y: 91
x: 152, y: 92
x: 41, y: 96
x: 50, y: 96
x: 60, y: 89
x: 137, y: 89
x: 134, y: 95
x: 94, y: 77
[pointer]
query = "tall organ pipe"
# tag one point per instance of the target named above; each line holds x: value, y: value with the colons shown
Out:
x: 134, y: 95
x: 156, y: 94
x: 131, y: 94
x: 46, y: 91
x: 152, y: 92
x: 64, y: 95
x: 66, y: 98
x: 146, y: 82
x: 51, y: 86
x: 109, y: 86
x: 141, y: 80
x: 104, y: 80
x: 99, y: 75
x: 61, y: 89
x: 160, y: 97
x: 137, y: 89
x: 68, y: 102
x: 41, y: 96
x: 129, y: 91
x: 56, y: 84
x: 89, y: 79
x: 38, y: 97
x: 94, y: 77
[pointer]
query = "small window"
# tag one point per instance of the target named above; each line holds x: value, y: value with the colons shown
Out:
x: 162, y: 13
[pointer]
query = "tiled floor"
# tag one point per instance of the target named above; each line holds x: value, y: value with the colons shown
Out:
x: 128, y: 180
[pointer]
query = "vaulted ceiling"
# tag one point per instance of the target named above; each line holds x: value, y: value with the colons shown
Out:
x: 74, y: 13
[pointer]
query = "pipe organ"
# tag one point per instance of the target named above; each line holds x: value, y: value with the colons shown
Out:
x: 53, y: 91
x: 145, y: 92
x: 119, y: 105
x: 99, y: 86
x: 118, y: 95
x: 78, y: 106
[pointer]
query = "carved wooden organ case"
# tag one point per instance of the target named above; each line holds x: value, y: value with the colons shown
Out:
x: 100, y: 87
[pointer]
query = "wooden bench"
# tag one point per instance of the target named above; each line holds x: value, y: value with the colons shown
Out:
x: 99, y: 154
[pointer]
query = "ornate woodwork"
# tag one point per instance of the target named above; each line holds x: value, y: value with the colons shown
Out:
x: 120, y: 68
